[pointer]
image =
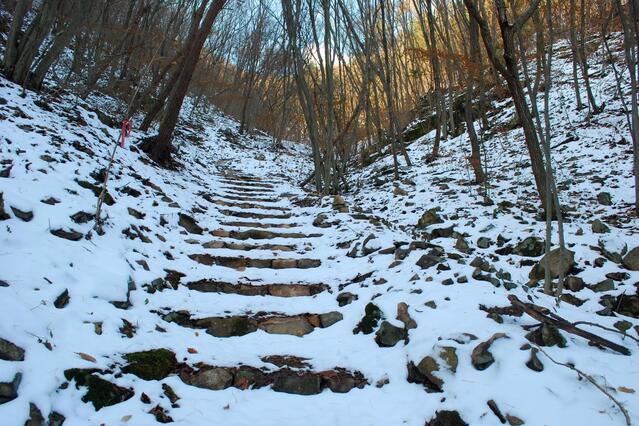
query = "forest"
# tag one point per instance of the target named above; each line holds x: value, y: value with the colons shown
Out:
x: 328, y: 211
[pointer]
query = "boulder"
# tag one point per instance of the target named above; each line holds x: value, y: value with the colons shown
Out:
x: 296, y: 326
x: 605, y: 285
x: 330, y: 318
x: 189, y: 224
x: 388, y: 335
x: 229, y: 326
x: 346, y: 298
x: 372, y: 315
x: 430, y: 217
x: 604, y: 199
x: 25, y: 216
x: 481, y: 357
x: 428, y: 260
x: 631, y: 260
x: 547, y: 335
x: 446, y: 418
x: 297, y: 383
x: 574, y: 283
x: 9, y: 391
x: 484, y: 242
x: 100, y: 392
x: 10, y: 351
x: 155, y: 364
x: 553, y: 261
x: 422, y: 373
x: 598, y: 227
x: 211, y: 378
x: 530, y: 247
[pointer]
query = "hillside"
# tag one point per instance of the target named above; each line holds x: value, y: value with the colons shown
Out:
x: 222, y: 293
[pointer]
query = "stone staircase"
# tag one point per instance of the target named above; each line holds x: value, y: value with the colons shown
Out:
x: 266, y: 240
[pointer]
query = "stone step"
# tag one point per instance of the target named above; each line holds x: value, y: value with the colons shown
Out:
x: 254, y: 215
x: 247, y: 184
x: 243, y: 197
x: 244, y: 224
x: 217, y: 244
x: 294, y: 374
x: 244, y: 262
x: 276, y: 290
x: 246, y: 206
x: 259, y: 234
x: 245, y: 190
x: 269, y: 322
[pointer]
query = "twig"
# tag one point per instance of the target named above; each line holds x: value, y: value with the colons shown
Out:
x: 623, y: 333
x: 593, y: 381
x: 561, y: 323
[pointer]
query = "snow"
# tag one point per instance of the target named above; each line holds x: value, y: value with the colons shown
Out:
x: 39, y: 266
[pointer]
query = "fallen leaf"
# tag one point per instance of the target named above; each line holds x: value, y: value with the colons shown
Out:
x: 127, y: 418
x: 227, y: 406
x: 625, y: 389
x: 197, y: 333
x: 191, y: 350
x: 86, y: 357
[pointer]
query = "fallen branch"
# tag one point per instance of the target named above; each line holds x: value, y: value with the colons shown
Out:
x: 594, y: 383
x: 540, y: 315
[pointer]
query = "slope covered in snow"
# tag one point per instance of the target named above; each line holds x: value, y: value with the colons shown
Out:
x: 226, y: 286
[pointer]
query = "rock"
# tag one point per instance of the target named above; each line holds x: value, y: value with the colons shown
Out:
x: 320, y: 221
x: 618, y: 276
x: 372, y: 315
x: 339, y: 204
x: 155, y: 364
x: 388, y: 335
x: 346, y: 298
x: 484, y: 242
x: 627, y: 305
x: 188, y: 223
x: 136, y: 214
x: 397, y: 191
x: 62, y: 300
x: 462, y: 245
x: 605, y: 285
x: 534, y: 363
x: 100, y: 392
x: 481, y: 357
x: 3, y: 214
x: 631, y: 260
x: 604, y: 199
x: 297, y: 383
x: 553, y: 260
x: 67, y: 235
x: 82, y: 217
x: 514, y: 420
x: 449, y: 355
x: 574, y: 283
x: 442, y: 232
x: 547, y: 335
x: 612, y: 249
x: 296, y: 326
x: 25, y: 216
x: 56, y: 419
x: 9, y: 391
x: 598, y: 227
x: 428, y: 260
x: 10, y: 351
x: 328, y: 319
x: 530, y: 247
x: 622, y: 325
x: 170, y: 393
x: 246, y: 377
x: 35, y: 416
x: 229, y: 326
x: 403, y: 316
x: 160, y: 414
x: 211, y: 378
x: 423, y: 374
x: 446, y: 418
x: 430, y: 217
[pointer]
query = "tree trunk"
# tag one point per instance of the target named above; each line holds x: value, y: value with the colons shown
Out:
x: 160, y: 147
x: 13, y: 38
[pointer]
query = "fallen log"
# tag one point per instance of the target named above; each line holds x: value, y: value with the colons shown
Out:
x: 539, y: 314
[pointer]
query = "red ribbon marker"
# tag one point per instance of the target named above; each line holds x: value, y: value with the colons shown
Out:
x: 126, y: 130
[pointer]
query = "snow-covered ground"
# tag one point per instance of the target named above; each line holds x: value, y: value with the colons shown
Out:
x: 54, y: 147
